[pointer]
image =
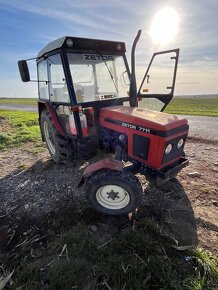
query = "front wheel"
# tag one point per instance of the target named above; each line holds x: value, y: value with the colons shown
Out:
x: 113, y: 192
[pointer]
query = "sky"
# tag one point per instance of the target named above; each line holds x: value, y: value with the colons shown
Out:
x: 27, y: 26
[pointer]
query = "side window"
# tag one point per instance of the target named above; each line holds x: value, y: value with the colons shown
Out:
x: 123, y: 81
x: 57, y: 84
x: 43, y: 80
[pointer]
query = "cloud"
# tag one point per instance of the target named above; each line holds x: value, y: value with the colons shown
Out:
x: 27, y: 26
x: 78, y: 13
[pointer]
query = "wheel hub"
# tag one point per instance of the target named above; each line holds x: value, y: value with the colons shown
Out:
x: 113, y: 195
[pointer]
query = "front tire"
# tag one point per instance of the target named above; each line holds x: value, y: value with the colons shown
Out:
x: 113, y: 192
x: 57, y: 144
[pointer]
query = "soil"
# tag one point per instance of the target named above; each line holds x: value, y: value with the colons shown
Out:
x: 32, y: 186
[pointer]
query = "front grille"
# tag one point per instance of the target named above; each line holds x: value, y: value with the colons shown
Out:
x: 175, y: 152
x: 141, y: 146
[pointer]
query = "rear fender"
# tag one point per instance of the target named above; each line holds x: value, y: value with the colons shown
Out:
x: 107, y: 163
x: 55, y: 120
x: 41, y: 107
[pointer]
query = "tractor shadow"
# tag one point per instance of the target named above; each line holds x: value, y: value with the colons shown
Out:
x: 46, y: 195
x: 172, y: 209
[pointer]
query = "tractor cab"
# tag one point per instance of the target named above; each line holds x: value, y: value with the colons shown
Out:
x: 88, y: 101
x: 79, y: 76
x: 82, y: 71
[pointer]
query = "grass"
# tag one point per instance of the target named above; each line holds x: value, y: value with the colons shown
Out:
x: 206, y: 264
x: 18, y: 101
x: 133, y: 258
x: 193, y: 106
x: 17, y: 128
x: 206, y: 271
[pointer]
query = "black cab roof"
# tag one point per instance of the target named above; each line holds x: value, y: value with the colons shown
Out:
x: 83, y: 44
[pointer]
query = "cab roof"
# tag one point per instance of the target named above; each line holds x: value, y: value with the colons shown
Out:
x: 83, y: 44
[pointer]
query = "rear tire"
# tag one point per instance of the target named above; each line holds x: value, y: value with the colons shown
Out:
x: 113, y: 192
x: 57, y: 145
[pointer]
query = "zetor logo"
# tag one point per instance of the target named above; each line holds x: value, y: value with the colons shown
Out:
x: 128, y: 125
x: 96, y: 57
x: 134, y: 127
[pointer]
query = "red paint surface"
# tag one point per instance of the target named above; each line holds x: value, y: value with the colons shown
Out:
x: 108, y: 163
x: 148, y: 119
x: 55, y: 120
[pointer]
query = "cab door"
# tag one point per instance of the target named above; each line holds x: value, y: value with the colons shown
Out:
x: 158, y: 84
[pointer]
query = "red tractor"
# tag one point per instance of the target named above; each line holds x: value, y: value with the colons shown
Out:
x: 88, y: 102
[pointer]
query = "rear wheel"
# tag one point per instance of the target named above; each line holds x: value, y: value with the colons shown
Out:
x: 113, y: 192
x: 57, y: 144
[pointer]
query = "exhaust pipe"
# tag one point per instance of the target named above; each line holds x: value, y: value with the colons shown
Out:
x: 133, y: 86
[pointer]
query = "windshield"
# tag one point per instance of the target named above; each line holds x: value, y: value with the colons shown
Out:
x: 98, y: 76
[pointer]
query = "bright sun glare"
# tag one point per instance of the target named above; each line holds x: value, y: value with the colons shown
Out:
x: 164, y: 26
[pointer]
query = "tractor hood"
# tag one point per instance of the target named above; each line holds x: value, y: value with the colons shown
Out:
x: 146, y: 121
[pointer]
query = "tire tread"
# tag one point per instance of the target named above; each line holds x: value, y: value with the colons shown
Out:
x: 124, y: 176
x: 63, y: 148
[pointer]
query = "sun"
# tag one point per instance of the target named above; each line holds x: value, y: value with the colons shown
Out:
x: 164, y: 26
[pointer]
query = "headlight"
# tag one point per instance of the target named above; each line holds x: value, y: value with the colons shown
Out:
x: 180, y: 143
x: 168, y: 148
x: 69, y: 42
x: 119, y: 46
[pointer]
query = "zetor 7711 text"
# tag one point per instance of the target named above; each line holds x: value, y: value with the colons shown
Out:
x: 89, y: 102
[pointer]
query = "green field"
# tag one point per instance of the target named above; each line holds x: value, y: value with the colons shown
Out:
x: 194, y: 106
x: 202, y: 106
x: 17, y: 128
x: 18, y: 101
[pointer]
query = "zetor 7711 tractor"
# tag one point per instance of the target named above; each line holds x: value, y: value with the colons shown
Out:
x: 88, y: 102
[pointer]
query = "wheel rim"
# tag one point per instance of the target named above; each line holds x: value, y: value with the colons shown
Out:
x: 112, y: 197
x: 49, y: 139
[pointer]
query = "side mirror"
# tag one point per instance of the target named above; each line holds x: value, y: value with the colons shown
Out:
x: 24, y: 70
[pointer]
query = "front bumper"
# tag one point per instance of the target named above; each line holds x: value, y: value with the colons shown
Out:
x: 172, y: 171
x: 159, y: 177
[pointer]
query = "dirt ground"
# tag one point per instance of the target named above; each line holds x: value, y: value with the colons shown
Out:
x: 32, y: 186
